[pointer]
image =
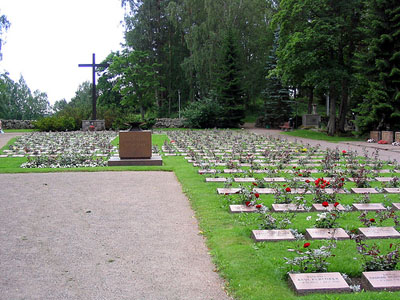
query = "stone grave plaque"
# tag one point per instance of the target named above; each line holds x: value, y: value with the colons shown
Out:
x: 135, y: 144
x: 242, y: 209
x: 223, y: 191
x: 286, y: 207
x: 216, y: 179
x: 383, y: 179
x: 379, y: 232
x: 264, y: 190
x: 212, y: 171
x: 319, y: 207
x: 396, y: 206
x: 376, y: 135
x: 332, y: 191
x: 392, y: 190
x: 332, y: 282
x: 368, y: 206
x: 387, y: 136
x: 364, y: 190
x: 381, y: 280
x: 274, y: 179
x: 326, y: 234
x: 244, y: 179
x: 230, y: 171
x: 273, y: 235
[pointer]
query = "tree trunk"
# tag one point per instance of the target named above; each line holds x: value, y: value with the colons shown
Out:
x: 310, y: 100
x: 332, y: 110
x: 343, y: 105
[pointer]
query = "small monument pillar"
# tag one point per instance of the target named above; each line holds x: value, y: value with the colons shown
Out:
x: 135, y: 148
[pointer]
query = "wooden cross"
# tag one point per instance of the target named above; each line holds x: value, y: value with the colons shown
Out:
x: 94, y: 98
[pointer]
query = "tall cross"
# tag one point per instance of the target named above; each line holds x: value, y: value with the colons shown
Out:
x: 94, y: 98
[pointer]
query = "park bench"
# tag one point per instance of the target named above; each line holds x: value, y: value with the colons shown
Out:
x: 285, y: 126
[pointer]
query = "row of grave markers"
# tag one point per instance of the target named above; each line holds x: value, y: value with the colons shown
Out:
x: 306, y: 282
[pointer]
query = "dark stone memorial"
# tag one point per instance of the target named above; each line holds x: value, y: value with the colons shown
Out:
x: 311, y: 120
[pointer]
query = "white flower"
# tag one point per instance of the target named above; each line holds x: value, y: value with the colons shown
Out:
x: 308, y: 218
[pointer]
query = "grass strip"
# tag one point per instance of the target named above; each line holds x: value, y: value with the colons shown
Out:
x: 315, y: 135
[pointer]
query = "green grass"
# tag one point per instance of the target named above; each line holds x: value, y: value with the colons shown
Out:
x: 314, y: 135
x: 19, y: 130
x: 252, y: 270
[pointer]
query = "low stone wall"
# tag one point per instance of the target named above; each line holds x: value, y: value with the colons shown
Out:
x: 17, y: 124
x: 169, y: 123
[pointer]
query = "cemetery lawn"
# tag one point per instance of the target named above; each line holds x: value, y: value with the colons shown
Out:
x: 252, y: 270
x: 314, y: 135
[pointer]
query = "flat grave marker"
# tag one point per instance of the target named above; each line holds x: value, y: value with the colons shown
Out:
x: 364, y: 191
x: 326, y: 234
x: 392, y: 190
x: 273, y: 235
x: 212, y: 171
x: 396, y: 206
x: 219, y: 179
x: 330, y: 207
x: 379, y: 232
x: 240, y: 208
x: 225, y: 191
x: 276, y: 207
x: 368, y: 206
x: 305, y: 283
x: 381, y: 280
x: 274, y: 179
x: 264, y: 190
x: 248, y: 179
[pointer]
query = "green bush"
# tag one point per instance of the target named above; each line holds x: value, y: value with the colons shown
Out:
x: 202, y: 114
x: 55, y: 123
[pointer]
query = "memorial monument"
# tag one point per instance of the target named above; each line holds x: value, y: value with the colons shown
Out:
x: 311, y: 120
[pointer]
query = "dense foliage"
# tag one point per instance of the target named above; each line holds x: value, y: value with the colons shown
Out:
x: 274, y: 59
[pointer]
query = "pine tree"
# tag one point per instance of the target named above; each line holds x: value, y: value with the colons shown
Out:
x: 277, y: 103
x: 230, y: 94
x: 380, y: 66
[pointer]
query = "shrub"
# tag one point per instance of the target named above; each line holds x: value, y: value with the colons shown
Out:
x: 202, y: 114
x: 55, y: 123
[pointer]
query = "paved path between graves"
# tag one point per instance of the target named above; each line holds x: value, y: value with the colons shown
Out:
x: 101, y: 235
x: 5, y: 137
x: 386, y: 152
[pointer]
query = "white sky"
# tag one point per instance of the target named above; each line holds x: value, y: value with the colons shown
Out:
x: 49, y: 38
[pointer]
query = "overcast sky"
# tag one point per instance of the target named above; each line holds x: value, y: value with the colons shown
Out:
x: 49, y: 38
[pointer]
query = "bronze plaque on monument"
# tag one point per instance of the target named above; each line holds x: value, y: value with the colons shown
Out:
x: 135, y: 144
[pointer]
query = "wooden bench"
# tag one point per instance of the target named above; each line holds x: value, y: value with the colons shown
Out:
x: 285, y: 126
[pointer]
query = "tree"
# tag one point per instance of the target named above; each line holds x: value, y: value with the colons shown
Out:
x: 136, y: 79
x: 229, y: 85
x: 316, y: 48
x: 379, y: 66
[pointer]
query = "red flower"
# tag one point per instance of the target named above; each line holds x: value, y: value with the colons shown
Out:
x: 336, y: 204
x: 255, y: 184
x: 307, y: 181
x: 306, y: 245
x: 344, y: 151
x: 248, y: 203
x: 372, y: 220
x: 391, y: 245
x: 294, y: 167
x: 342, y: 179
x: 258, y: 206
x: 300, y: 174
x: 172, y: 141
x: 328, y: 183
x: 257, y: 195
x: 325, y: 204
x: 288, y: 189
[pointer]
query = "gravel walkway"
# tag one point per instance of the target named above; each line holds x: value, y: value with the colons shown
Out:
x: 102, y: 235
x: 5, y: 137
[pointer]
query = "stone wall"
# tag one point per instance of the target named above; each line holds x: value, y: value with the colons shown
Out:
x: 169, y: 123
x: 17, y: 124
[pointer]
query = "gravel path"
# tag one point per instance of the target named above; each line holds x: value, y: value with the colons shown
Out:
x: 5, y: 137
x: 102, y: 235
